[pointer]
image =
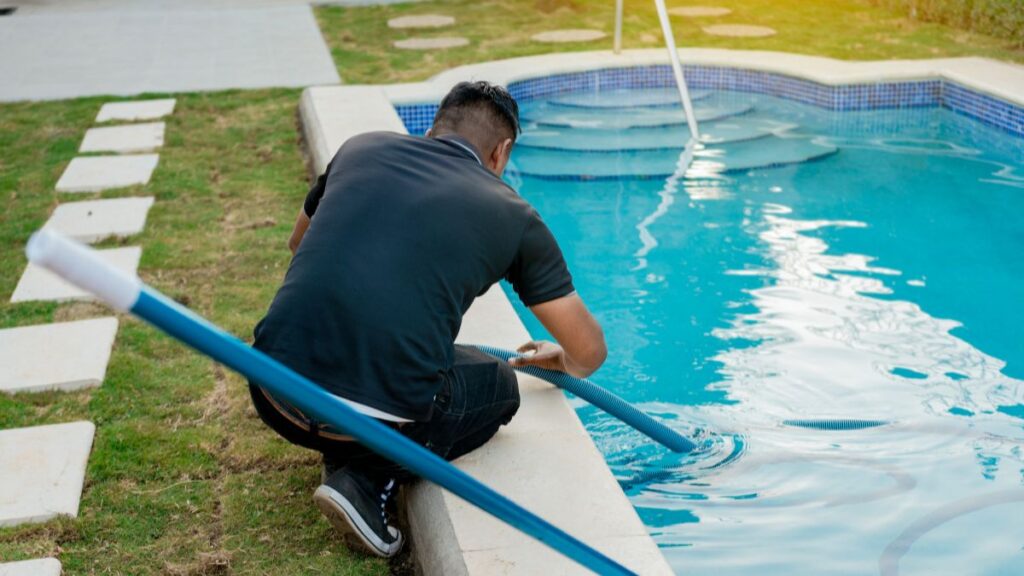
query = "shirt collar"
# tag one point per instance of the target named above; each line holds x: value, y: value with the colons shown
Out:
x: 461, y: 143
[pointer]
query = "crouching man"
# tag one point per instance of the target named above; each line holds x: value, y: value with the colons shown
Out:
x: 392, y: 245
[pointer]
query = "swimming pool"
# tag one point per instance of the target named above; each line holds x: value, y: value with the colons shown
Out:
x: 811, y: 264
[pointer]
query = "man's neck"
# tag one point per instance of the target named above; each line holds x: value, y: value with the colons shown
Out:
x: 464, y: 143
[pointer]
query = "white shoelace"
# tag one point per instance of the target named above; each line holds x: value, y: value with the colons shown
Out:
x: 384, y: 497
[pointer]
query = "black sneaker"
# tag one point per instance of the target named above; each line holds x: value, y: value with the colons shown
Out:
x: 357, y: 507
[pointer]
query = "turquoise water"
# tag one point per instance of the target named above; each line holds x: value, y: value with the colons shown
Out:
x: 809, y: 264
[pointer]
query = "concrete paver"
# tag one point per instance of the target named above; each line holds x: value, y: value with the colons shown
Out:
x: 96, y: 173
x: 136, y: 110
x: 41, y: 567
x: 560, y: 36
x: 51, y: 6
x: 42, y: 470
x: 64, y: 356
x: 95, y: 220
x: 431, y: 43
x: 699, y: 11
x: 739, y: 30
x: 421, y: 21
x: 67, y: 54
x: 40, y: 284
x: 129, y: 138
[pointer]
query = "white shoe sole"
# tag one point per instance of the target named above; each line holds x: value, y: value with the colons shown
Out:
x: 343, y: 516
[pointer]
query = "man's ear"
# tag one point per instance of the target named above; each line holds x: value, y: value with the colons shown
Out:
x: 429, y: 132
x: 500, y: 154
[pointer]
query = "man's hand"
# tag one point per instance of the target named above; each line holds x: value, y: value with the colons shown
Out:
x: 547, y: 355
x: 580, y: 350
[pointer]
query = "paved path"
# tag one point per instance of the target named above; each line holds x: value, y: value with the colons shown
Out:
x: 103, y: 47
x: 50, y: 6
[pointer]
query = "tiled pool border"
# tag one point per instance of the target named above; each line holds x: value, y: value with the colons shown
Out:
x: 925, y: 93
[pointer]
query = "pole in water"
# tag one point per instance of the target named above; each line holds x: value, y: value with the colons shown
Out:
x: 604, y: 400
x: 82, y: 266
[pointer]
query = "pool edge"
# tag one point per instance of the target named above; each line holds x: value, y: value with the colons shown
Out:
x: 984, y: 89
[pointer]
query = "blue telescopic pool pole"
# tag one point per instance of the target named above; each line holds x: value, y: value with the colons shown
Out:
x: 604, y: 400
x: 83, y: 267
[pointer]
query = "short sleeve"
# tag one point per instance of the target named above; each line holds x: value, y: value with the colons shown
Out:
x: 538, y: 273
x: 316, y: 193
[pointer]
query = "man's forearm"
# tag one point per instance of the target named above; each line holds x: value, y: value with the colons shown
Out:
x: 583, y: 365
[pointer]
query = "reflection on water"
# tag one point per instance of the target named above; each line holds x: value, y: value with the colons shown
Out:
x: 879, y: 289
x: 667, y: 198
x: 827, y: 348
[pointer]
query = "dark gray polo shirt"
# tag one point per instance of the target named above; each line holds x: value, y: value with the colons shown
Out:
x: 405, y: 233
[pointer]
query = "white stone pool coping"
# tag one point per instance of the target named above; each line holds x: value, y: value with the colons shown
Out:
x: 999, y: 79
x: 545, y: 460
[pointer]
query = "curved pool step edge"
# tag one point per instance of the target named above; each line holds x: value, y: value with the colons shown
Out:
x: 678, y: 149
x: 701, y: 117
x: 671, y: 101
x: 665, y: 175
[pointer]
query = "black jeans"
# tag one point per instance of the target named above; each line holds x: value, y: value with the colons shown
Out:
x: 478, y: 396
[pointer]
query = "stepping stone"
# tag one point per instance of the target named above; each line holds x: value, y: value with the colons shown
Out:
x: 699, y: 11
x: 41, y: 284
x: 96, y: 173
x: 128, y: 138
x: 94, y: 220
x: 138, y: 110
x: 42, y: 469
x: 431, y: 43
x: 43, y: 567
x: 421, y: 21
x: 65, y: 356
x: 739, y: 30
x: 573, y: 35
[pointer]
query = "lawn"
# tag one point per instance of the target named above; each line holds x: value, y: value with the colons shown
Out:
x: 183, y: 478
x: 361, y: 41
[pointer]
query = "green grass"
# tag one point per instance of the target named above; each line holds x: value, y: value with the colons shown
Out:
x: 361, y: 42
x: 1001, y: 18
x: 183, y: 478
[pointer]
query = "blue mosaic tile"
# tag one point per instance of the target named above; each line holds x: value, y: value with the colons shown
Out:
x: 417, y: 117
x: 875, y: 96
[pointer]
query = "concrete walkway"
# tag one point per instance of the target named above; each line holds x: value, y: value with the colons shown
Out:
x: 51, y: 6
x: 102, y: 47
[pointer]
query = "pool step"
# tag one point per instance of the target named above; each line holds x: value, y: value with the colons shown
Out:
x: 619, y: 99
x: 714, y: 159
x: 547, y: 116
x: 727, y: 131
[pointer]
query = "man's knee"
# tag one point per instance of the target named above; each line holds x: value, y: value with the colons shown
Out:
x: 510, y: 384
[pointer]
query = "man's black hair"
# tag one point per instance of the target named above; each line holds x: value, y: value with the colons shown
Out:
x: 467, y: 100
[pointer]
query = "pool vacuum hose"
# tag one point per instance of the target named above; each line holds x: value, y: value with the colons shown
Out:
x: 603, y: 399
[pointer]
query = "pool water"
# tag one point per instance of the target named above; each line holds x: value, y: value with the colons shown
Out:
x: 808, y: 265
